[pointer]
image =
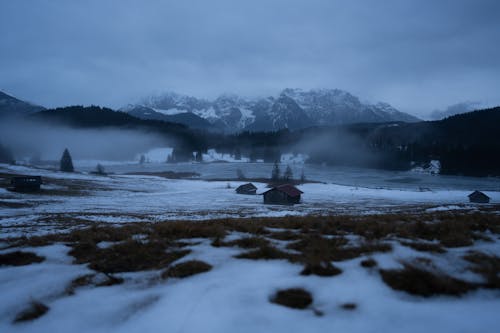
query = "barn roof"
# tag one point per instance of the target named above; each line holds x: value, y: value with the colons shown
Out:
x: 288, y: 189
x: 478, y: 194
x: 247, y: 186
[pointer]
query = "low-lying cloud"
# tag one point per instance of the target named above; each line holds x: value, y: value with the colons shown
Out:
x: 30, y: 139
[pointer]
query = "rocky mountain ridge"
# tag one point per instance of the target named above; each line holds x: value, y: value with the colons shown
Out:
x: 292, y: 109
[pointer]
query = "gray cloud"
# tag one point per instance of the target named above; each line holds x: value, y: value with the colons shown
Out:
x: 417, y: 55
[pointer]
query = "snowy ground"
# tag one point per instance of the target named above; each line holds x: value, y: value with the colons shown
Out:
x: 136, y: 198
x: 234, y: 295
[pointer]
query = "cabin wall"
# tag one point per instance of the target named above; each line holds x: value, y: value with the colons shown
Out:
x: 26, y: 183
x: 479, y: 200
x: 281, y: 198
x: 275, y: 197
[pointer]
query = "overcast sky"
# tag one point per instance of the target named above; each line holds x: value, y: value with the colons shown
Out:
x: 418, y: 55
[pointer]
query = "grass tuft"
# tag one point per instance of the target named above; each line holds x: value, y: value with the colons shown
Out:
x: 19, y: 258
x: 486, y: 265
x: 418, y: 281
x: 248, y: 242
x: 296, y: 298
x: 186, y: 269
x: 425, y: 247
x: 129, y: 256
x: 97, y: 280
x: 266, y: 252
x: 321, y: 269
x: 35, y: 310
x: 368, y: 263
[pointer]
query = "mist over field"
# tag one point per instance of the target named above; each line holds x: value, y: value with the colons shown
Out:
x: 45, y: 141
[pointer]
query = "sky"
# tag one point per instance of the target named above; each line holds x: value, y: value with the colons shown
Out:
x: 418, y: 55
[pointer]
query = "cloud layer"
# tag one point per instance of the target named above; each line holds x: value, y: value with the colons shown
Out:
x: 417, y: 55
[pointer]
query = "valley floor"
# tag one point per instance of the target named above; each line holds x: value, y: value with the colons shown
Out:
x: 147, y: 254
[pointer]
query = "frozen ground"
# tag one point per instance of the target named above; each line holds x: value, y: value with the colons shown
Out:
x: 136, y: 198
x: 234, y: 296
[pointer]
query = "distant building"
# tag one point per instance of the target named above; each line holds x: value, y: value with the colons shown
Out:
x: 25, y: 183
x: 282, y: 195
x: 479, y: 197
x: 248, y: 188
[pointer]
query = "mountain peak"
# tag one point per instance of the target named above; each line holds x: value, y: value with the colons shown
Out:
x: 292, y: 108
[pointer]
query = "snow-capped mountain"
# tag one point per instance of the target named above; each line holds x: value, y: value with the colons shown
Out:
x: 292, y: 108
x: 334, y: 107
x: 13, y: 107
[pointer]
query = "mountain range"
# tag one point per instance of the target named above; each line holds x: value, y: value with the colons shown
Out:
x: 292, y: 109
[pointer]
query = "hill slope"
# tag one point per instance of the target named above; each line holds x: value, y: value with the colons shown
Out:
x: 13, y: 107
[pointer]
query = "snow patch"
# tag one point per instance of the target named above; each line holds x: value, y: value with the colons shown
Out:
x: 170, y: 112
x: 156, y: 155
x: 433, y: 168
x: 213, y: 156
x: 294, y: 158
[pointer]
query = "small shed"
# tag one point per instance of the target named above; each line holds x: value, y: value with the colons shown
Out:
x: 248, y: 188
x: 26, y: 183
x: 479, y: 197
x: 282, y: 195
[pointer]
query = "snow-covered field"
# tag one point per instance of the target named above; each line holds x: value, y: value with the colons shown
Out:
x: 234, y: 296
x: 135, y: 198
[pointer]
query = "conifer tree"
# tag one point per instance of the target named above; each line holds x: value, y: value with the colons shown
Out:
x: 288, y: 175
x: 99, y: 169
x: 66, y: 164
x: 275, y: 175
x: 302, y: 176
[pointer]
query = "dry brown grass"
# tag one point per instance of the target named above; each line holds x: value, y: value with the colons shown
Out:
x: 19, y: 258
x: 422, y: 282
x: 248, y: 242
x: 267, y: 252
x: 296, y: 298
x: 321, y: 269
x: 486, y: 265
x: 285, y: 235
x: 307, y: 236
x: 93, y: 280
x: 425, y: 247
x: 186, y: 269
x: 368, y: 263
x: 186, y: 229
x: 129, y: 256
x: 33, y: 311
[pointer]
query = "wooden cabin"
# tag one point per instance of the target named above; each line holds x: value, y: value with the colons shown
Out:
x: 248, y: 188
x: 25, y: 183
x: 282, y: 195
x: 479, y: 197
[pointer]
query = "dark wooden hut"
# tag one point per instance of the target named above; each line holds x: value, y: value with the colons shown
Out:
x: 479, y: 197
x: 25, y: 183
x: 248, y: 188
x: 282, y: 195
